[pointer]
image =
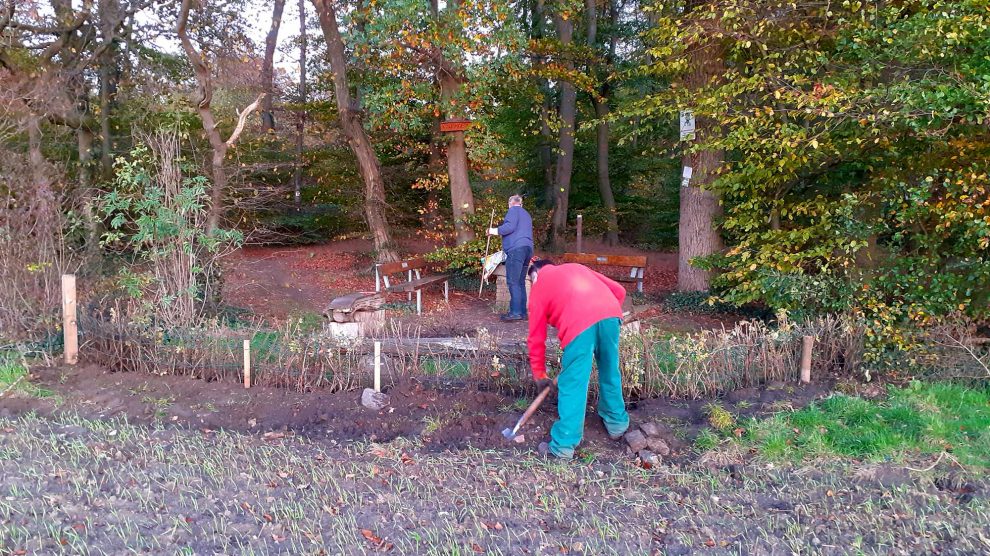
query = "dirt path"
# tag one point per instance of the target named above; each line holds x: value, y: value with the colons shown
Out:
x: 279, y: 283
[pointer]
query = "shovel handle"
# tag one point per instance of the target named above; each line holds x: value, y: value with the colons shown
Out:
x: 532, y: 408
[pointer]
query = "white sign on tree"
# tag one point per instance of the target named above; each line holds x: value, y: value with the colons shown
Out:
x: 687, y: 125
x: 686, y: 176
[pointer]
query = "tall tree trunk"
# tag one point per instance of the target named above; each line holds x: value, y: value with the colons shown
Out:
x: 699, y: 205
x: 39, y: 170
x: 432, y: 219
x: 357, y: 137
x: 461, y: 196
x: 545, y: 147
x: 108, y: 89
x: 109, y: 77
x: 84, y: 142
x: 301, y: 117
x: 268, y: 69
x: 565, y: 153
x: 602, y: 156
x: 602, y: 128
x: 202, y: 100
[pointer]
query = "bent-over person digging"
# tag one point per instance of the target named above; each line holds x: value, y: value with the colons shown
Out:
x: 586, y: 309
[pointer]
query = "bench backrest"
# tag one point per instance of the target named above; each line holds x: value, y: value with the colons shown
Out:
x: 635, y: 263
x: 632, y: 261
x: 412, y: 268
x: 417, y: 263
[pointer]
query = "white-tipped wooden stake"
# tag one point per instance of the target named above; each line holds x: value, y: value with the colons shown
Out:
x: 247, y: 363
x: 70, y: 330
x: 807, y: 343
x: 378, y: 366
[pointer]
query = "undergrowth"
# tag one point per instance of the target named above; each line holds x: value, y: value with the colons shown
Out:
x: 926, y: 418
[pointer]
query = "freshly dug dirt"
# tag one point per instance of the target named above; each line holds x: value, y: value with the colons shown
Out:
x: 448, y: 418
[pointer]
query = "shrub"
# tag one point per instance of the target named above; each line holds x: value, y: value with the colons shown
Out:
x: 158, y: 215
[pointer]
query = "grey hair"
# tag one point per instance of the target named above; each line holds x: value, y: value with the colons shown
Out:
x: 515, y: 200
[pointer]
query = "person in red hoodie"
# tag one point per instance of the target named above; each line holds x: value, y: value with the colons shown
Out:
x: 586, y: 309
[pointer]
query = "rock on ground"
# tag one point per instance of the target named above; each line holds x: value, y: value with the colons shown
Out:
x: 636, y: 440
x: 658, y: 445
x: 373, y: 400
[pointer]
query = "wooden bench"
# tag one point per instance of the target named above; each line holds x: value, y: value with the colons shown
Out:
x: 415, y: 281
x: 635, y: 263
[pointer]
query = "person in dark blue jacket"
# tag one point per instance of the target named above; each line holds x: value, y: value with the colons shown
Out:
x: 517, y: 242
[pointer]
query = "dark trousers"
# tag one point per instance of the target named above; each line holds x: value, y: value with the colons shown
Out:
x: 516, y: 264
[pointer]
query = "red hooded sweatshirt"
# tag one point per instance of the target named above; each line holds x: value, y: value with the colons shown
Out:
x: 571, y: 297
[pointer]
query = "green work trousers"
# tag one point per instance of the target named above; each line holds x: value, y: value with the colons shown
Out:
x: 599, y: 343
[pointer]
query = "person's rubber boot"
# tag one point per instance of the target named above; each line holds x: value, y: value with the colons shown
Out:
x: 511, y: 318
x: 619, y: 435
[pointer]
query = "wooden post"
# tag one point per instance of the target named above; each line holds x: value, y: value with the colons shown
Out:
x: 70, y: 330
x: 378, y: 366
x: 807, y: 343
x: 580, y: 221
x: 247, y: 363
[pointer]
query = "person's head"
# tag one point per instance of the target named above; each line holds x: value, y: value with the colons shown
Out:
x: 515, y: 201
x: 535, y: 265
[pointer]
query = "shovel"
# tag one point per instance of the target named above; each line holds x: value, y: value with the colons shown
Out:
x: 510, y: 434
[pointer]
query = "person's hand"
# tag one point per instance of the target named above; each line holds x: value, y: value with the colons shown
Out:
x: 493, y: 231
x: 544, y: 383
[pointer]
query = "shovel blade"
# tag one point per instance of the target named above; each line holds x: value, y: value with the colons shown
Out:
x: 508, y: 434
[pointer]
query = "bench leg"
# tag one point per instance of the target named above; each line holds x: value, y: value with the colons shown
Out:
x: 446, y: 293
x: 419, y: 302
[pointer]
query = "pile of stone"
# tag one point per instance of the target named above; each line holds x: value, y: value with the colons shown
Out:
x: 646, y: 442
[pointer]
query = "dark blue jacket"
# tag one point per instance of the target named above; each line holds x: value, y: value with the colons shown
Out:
x: 516, y: 230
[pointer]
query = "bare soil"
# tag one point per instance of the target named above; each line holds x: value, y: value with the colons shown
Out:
x: 441, y: 418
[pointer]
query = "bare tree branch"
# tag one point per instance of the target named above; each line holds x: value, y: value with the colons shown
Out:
x: 242, y: 119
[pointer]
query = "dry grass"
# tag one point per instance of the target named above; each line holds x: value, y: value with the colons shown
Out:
x: 653, y: 364
x: 33, y: 251
x: 711, y: 362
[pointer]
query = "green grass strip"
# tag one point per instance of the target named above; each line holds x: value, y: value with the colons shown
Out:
x: 921, y: 418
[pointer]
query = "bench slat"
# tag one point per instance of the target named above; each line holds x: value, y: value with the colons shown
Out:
x: 403, y: 266
x: 417, y: 284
